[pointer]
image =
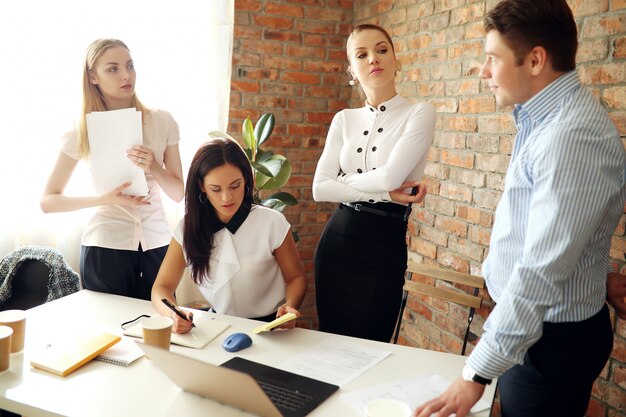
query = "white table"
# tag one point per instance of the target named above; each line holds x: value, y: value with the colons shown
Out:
x: 101, y: 389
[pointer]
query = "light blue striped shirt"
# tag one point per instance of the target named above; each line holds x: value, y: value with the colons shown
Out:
x: 563, y: 197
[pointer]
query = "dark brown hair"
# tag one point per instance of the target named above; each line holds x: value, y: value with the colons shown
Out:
x: 525, y: 24
x: 201, y: 217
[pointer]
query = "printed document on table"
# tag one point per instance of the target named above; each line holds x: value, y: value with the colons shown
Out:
x: 333, y: 361
x: 413, y: 391
x: 111, y: 133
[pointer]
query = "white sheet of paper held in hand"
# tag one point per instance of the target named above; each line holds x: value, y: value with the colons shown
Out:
x: 111, y: 133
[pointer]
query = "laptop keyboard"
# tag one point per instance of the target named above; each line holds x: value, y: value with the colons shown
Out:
x: 284, y: 397
x: 294, y: 395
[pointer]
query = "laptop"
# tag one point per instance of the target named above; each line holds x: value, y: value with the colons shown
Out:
x: 243, y: 384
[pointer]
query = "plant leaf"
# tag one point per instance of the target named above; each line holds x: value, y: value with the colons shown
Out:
x: 264, y: 127
x: 274, y: 203
x: 260, y: 180
x: 262, y: 168
x: 273, y: 164
x: 248, y: 136
x: 279, y: 179
x: 285, y: 197
x: 262, y: 156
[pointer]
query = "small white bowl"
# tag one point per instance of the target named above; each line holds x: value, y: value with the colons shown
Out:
x: 387, y: 407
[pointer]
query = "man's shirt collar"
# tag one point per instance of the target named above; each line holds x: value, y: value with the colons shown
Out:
x: 539, y: 105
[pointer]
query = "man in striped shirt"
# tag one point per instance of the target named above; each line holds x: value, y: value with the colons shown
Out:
x: 549, y: 335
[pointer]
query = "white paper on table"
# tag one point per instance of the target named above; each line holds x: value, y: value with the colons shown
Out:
x: 413, y: 391
x: 333, y: 361
x: 111, y: 133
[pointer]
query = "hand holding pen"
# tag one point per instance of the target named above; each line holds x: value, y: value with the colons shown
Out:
x: 179, y: 327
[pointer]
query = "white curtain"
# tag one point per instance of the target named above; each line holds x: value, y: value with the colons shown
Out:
x: 182, y: 53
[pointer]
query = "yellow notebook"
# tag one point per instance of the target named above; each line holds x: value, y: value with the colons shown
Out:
x: 273, y: 324
x: 65, y: 357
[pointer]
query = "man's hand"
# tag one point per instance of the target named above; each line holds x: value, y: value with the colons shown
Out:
x: 459, y: 398
x: 616, y: 293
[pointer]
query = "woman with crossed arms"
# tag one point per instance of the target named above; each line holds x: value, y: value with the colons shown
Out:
x: 372, y: 157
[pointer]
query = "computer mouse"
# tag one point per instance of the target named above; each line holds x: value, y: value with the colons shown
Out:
x: 237, y: 341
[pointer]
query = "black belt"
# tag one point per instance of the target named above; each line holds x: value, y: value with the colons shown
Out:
x: 367, y: 209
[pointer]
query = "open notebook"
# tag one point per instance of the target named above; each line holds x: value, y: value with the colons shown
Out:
x: 207, y: 329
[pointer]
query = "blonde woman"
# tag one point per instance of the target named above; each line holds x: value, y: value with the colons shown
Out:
x: 373, y: 155
x: 126, y: 239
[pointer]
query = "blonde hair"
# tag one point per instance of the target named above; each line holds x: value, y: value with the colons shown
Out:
x: 368, y: 26
x: 93, y: 99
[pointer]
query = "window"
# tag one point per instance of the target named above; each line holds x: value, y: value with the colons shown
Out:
x: 182, y: 52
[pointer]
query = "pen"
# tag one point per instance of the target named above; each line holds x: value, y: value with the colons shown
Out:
x: 175, y: 310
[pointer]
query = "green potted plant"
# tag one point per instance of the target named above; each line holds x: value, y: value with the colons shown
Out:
x: 271, y: 171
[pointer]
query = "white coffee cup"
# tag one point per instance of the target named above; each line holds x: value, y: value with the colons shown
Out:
x: 387, y: 407
x: 157, y: 331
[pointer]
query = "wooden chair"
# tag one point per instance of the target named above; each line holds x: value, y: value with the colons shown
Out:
x: 446, y: 294
x: 188, y: 294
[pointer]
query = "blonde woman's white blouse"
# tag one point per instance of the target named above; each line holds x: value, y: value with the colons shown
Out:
x: 125, y: 227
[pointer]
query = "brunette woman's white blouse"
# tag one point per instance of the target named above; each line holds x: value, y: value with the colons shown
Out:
x: 244, y: 278
x: 370, y: 151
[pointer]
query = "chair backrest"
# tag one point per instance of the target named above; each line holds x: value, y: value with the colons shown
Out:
x: 33, y: 275
x: 29, y: 287
x: 472, y: 301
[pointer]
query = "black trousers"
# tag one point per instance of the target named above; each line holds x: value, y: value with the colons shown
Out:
x: 122, y: 272
x: 359, y: 273
x: 558, y: 372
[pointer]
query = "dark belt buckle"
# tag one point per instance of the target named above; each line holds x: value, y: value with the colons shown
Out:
x: 357, y: 207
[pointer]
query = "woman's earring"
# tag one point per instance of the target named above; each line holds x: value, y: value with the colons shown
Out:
x: 352, y: 82
x: 200, y: 198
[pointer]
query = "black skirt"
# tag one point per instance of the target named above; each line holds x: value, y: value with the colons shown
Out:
x: 359, y: 272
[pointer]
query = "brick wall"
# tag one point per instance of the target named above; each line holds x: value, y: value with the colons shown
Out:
x: 289, y: 59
